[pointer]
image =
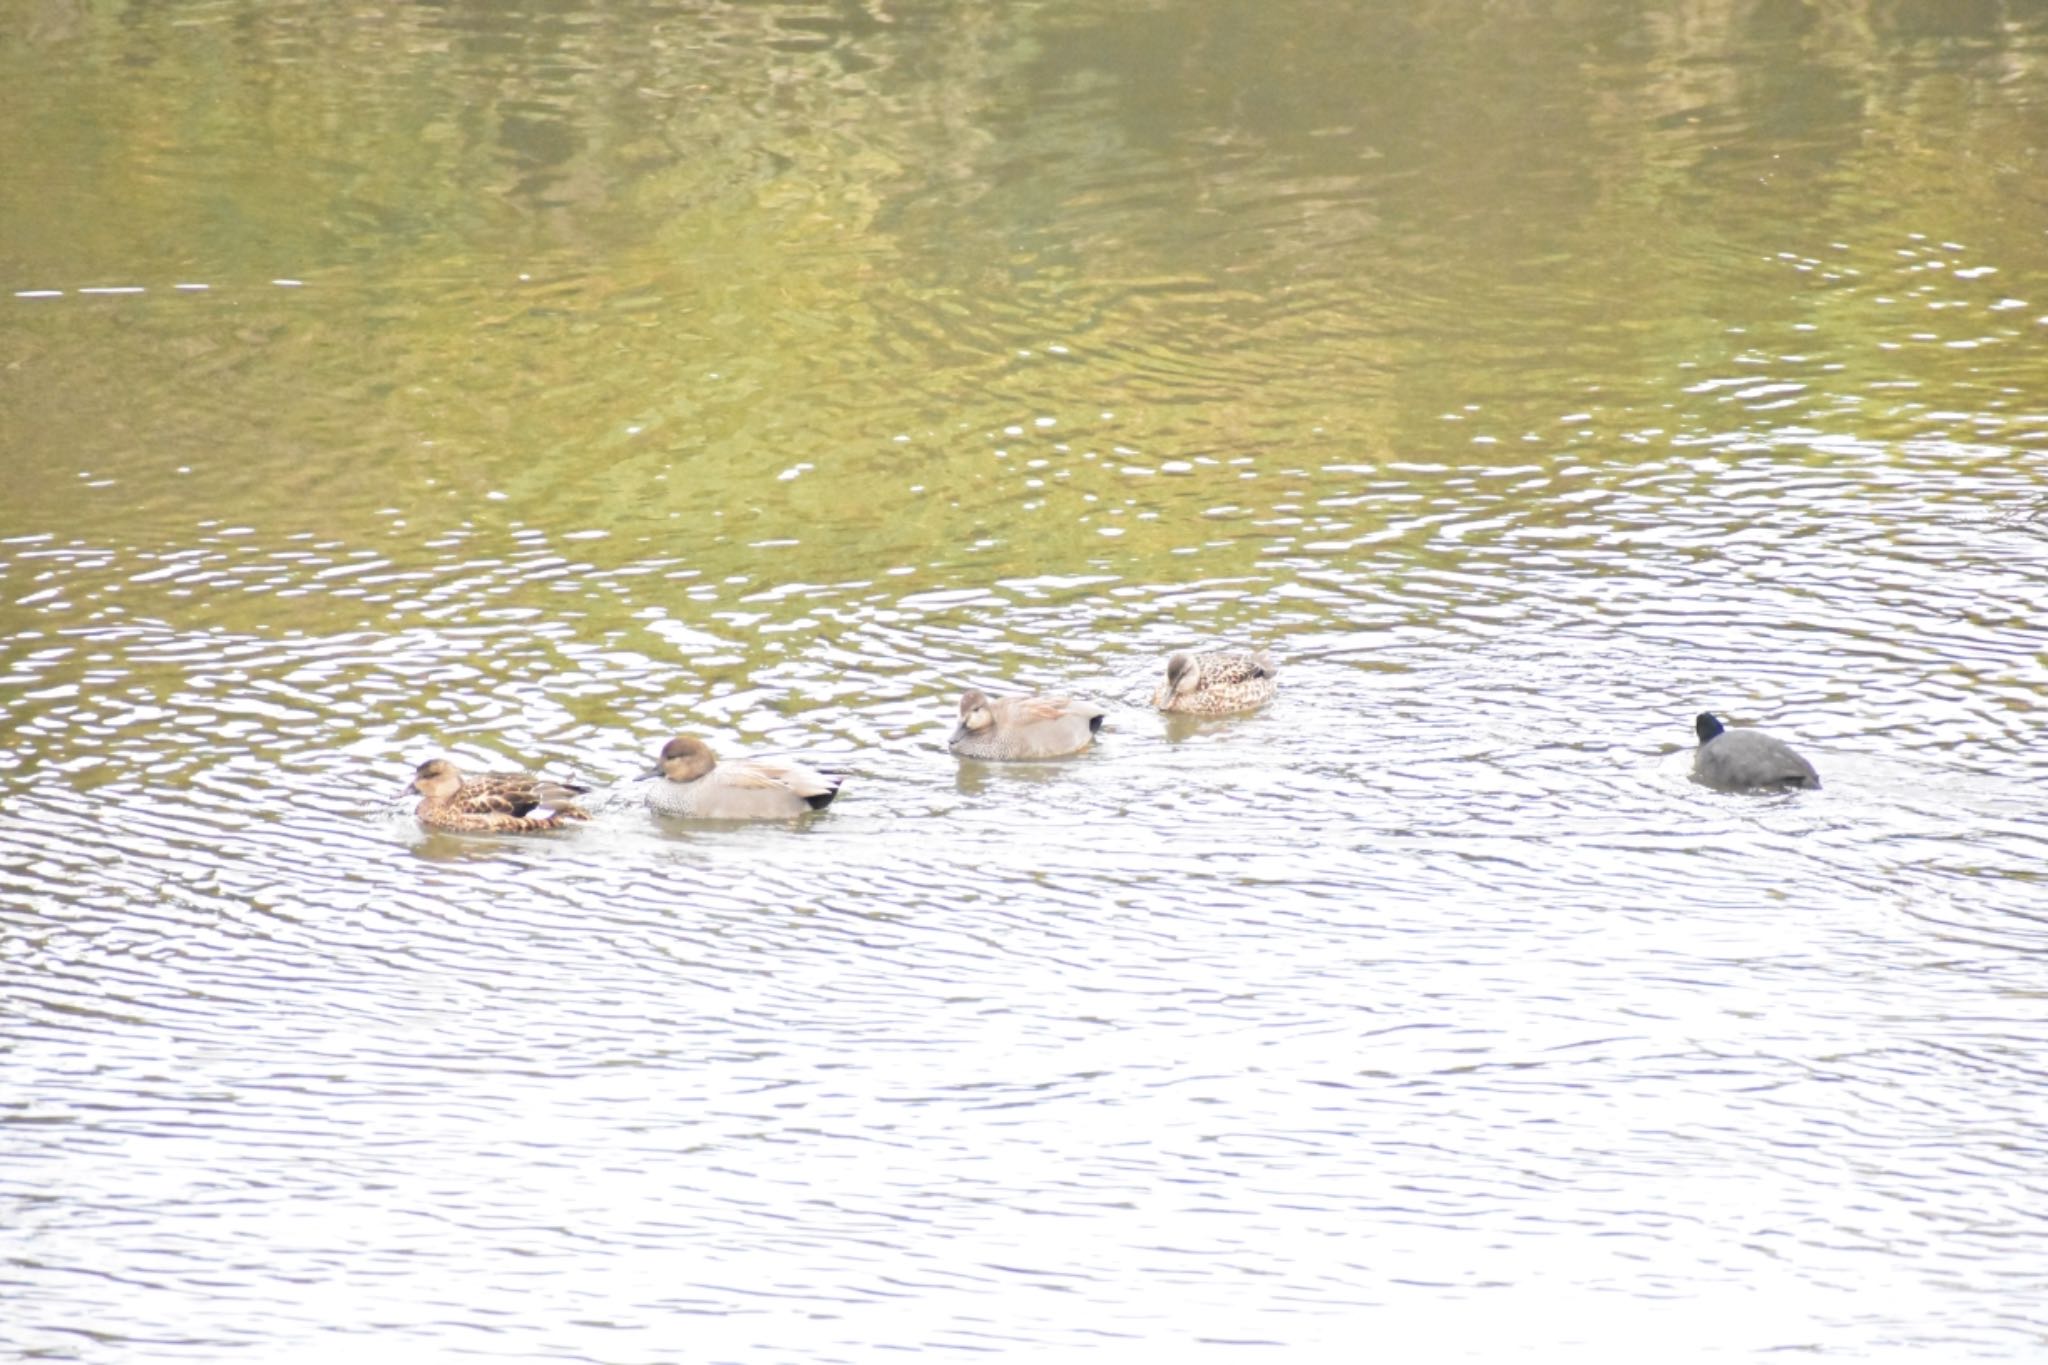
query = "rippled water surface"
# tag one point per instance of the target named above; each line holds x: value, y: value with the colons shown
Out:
x: 533, y: 383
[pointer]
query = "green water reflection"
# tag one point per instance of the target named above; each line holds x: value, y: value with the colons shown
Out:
x: 809, y: 292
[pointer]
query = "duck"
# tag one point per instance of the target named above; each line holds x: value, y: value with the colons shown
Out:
x: 491, y: 803
x: 695, y: 785
x: 1217, y: 682
x: 1003, y: 728
x: 1746, y: 760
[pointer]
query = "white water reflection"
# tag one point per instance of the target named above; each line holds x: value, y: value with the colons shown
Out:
x: 1435, y: 980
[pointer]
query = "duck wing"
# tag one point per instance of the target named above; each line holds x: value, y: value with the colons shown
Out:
x: 1221, y: 670
x: 513, y: 794
x: 768, y: 773
x: 1046, y: 710
x: 748, y: 789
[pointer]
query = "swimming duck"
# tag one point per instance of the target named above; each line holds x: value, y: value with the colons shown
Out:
x: 696, y: 786
x: 1217, y: 682
x: 1023, y: 727
x: 494, y: 803
x: 1746, y: 760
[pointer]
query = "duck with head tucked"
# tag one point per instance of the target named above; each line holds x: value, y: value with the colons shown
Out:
x: 694, y: 785
x: 1217, y: 682
x: 491, y: 803
x: 1002, y: 728
x: 1746, y: 760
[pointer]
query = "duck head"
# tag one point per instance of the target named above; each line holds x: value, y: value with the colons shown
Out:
x: 975, y: 715
x: 437, y: 779
x: 683, y: 760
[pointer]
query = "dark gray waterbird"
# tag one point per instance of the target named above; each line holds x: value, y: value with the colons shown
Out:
x: 1746, y: 760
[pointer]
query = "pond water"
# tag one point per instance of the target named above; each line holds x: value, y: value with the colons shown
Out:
x: 530, y: 383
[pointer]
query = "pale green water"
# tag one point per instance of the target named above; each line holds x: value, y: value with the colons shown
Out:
x: 532, y: 383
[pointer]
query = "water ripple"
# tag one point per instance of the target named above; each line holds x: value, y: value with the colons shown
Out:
x: 773, y: 374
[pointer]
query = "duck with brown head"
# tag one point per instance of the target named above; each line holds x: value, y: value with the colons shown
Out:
x: 691, y: 783
x: 491, y: 803
x: 1003, y: 728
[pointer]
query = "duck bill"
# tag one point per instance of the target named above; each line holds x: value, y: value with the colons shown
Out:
x: 960, y: 732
